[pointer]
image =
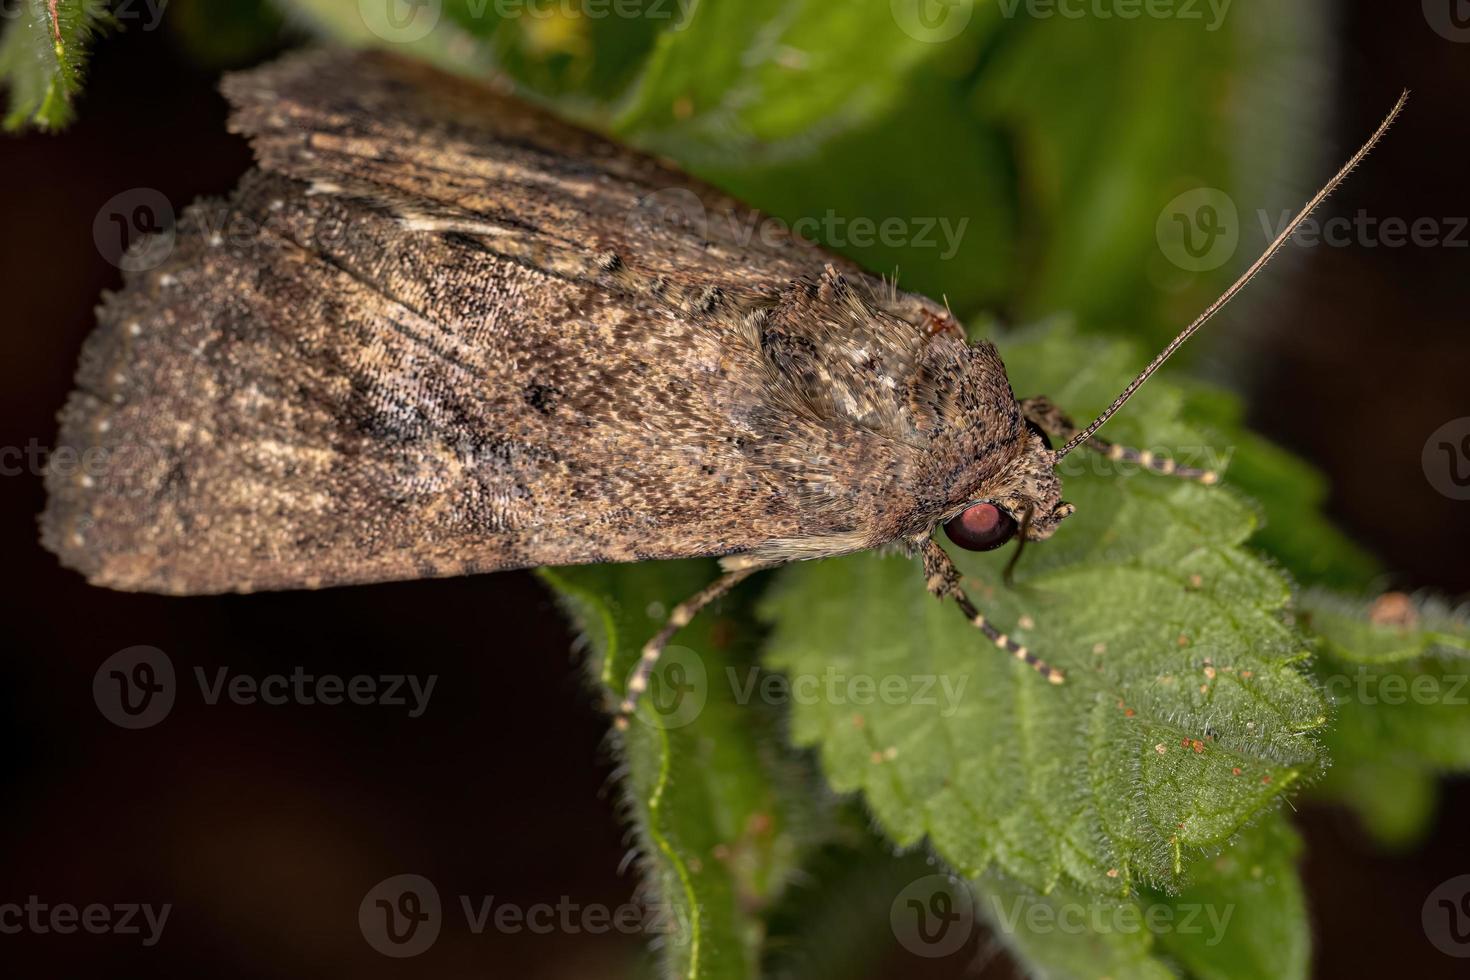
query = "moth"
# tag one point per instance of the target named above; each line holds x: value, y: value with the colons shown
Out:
x: 431, y: 334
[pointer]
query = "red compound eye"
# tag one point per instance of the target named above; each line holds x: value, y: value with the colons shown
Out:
x: 982, y: 527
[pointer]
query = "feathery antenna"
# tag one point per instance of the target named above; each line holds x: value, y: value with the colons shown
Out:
x: 1240, y: 283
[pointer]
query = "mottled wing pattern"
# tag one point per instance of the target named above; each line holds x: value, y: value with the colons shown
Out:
x: 440, y: 332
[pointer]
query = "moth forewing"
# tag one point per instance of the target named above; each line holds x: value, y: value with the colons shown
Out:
x: 435, y: 334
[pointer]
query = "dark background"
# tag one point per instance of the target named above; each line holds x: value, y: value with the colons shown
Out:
x: 265, y: 826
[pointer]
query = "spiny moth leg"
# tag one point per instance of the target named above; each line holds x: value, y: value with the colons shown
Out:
x: 1054, y: 422
x: 681, y: 617
x: 942, y: 579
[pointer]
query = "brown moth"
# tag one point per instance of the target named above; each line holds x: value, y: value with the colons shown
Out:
x: 430, y: 336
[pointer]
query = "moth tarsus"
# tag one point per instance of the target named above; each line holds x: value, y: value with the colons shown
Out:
x: 1054, y: 422
x: 679, y: 617
x: 439, y: 332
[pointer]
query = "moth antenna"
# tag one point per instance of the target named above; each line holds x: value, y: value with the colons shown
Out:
x: 1240, y: 283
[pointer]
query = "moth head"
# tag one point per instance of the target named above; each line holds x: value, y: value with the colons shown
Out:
x: 1024, y: 501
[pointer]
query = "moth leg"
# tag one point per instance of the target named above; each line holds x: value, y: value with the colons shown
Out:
x: 1055, y: 423
x: 681, y: 616
x: 942, y: 579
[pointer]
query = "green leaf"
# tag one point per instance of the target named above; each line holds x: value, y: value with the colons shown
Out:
x: 1068, y: 933
x: 1244, y: 914
x: 42, y: 56
x: 1393, y: 629
x: 1165, y: 105
x: 835, y: 920
x: 952, y: 238
x: 415, y: 29
x: 719, y: 807
x: 1290, y: 495
x: 769, y: 79
x: 1394, y: 800
x: 1186, y: 711
x: 1398, y: 673
x: 1401, y: 691
x: 587, y: 53
x: 1242, y: 917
